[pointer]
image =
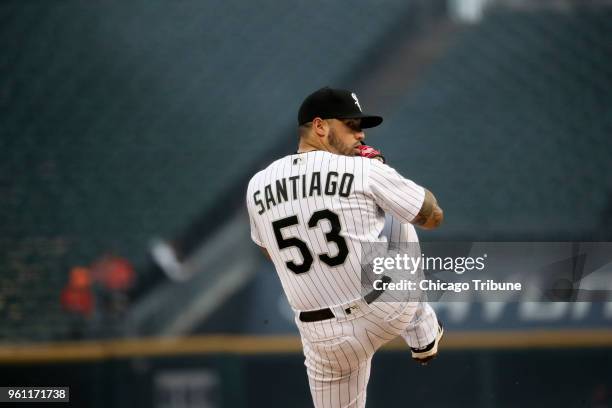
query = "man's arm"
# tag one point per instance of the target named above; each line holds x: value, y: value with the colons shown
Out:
x: 430, y: 215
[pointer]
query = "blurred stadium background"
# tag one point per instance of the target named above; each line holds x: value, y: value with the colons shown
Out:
x: 128, y: 131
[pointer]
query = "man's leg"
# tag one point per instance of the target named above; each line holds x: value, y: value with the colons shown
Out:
x: 339, y: 354
x: 423, y: 333
x: 338, y: 372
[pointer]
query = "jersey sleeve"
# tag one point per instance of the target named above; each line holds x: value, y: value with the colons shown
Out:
x: 394, y: 193
x: 255, y: 234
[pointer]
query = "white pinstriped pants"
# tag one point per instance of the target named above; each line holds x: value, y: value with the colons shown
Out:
x: 339, y: 351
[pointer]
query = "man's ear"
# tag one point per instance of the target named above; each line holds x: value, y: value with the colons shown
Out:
x: 320, y: 127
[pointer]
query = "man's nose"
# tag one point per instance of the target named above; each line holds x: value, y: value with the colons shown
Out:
x: 360, y: 135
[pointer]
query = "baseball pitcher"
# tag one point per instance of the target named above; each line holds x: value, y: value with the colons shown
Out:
x: 313, y: 213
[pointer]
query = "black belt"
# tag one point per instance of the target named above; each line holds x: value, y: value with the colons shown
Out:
x: 324, y: 314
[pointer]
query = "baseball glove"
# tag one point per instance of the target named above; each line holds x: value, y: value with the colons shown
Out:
x: 370, y: 152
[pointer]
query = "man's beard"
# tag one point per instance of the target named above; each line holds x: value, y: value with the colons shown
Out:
x: 335, y: 142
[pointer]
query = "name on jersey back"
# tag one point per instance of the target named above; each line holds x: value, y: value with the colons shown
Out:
x: 303, y: 186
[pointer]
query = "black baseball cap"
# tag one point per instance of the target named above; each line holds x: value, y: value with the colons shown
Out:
x: 329, y: 103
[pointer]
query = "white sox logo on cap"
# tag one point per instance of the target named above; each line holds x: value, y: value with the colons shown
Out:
x: 356, y: 101
x: 329, y: 103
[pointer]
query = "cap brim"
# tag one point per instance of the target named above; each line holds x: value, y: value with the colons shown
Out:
x: 370, y: 121
x: 367, y: 121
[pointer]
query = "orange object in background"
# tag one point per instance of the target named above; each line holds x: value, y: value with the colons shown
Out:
x: 80, y: 277
x: 113, y: 272
x: 77, y: 296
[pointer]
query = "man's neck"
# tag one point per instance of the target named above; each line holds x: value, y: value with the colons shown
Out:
x: 305, y: 147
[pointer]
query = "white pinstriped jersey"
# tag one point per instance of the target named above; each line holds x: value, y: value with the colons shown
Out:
x: 314, y: 211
